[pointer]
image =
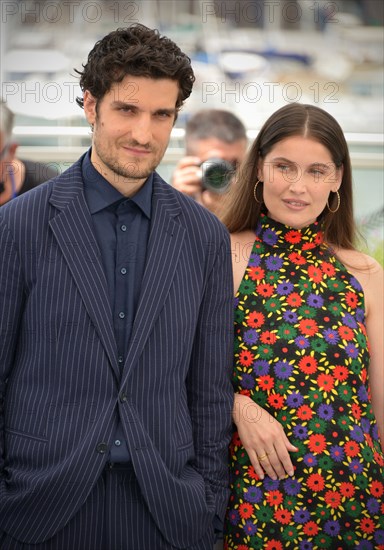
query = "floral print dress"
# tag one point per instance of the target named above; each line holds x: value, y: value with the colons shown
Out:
x: 301, y: 352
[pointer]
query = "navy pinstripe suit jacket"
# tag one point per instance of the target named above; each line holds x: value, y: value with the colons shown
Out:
x: 59, y: 378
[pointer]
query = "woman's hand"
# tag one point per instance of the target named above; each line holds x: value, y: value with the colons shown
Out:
x: 263, y: 438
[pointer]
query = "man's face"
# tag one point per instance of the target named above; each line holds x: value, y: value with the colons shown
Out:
x: 132, y: 125
x: 214, y: 148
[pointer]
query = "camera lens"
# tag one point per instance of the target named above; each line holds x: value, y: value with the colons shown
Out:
x: 216, y: 174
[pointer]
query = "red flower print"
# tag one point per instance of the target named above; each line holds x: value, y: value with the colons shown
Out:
x: 346, y: 333
x: 364, y: 374
x: 328, y: 269
x: 367, y: 525
x: 317, y: 443
x: 315, y: 274
x: 351, y: 299
x: 378, y: 458
x: 340, y: 373
x: 319, y: 238
x: 308, y: 364
x: 265, y: 290
x: 308, y: 327
x: 369, y: 441
x: 274, y: 498
x: 377, y: 489
x: 266, y: 382
x: 326, y: 382
x: 273, y: 545
x: 356, y: 411
x: 236, y: 439
x: 283, y: 516
x: 293, y: 237
x: 276, y: 401
x: 351, y: 448
x: 297, y: 258
x: 245, y: 510
x: 255, y: 319
x: 308, y: 246
x: 294, y: 299
x: 332, y: 499
x: 256, y: 273
x: 311, y: 529
x: 252, y: 474
x: 304, y: 412
x: 268, y: 337
x: 246, y: 358
x: 347, y: 489
x: 316, y: 482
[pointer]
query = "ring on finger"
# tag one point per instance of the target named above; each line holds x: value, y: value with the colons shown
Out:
x: 263, y: 457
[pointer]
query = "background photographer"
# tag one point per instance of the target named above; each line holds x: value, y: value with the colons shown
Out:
x: 210, y: 134
x: 17, y: 175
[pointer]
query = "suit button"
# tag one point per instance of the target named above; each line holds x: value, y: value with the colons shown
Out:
x: 123, y: 397
x: 102, y: 448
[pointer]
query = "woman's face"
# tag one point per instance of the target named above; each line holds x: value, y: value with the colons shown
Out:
x: 298, y: 175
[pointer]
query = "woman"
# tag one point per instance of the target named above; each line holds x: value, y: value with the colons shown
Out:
x: 306, y: 460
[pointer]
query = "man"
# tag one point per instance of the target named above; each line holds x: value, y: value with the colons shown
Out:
x: 209, y: 134
x: 16, y: 175
x: 116, y: 295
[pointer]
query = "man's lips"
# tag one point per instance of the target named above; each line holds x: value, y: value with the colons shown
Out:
x: 136, y: 150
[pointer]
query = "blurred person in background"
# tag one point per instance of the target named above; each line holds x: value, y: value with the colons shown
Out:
x: 17, y: 176
x: 116, y: 330
x: 215, y: 144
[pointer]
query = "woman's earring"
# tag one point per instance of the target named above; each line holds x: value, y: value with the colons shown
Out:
x: 338, y: 203
x: 255, y: 192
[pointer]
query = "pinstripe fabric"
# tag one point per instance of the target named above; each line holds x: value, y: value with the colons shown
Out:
x: 59, y: 372
x: 101, y: 523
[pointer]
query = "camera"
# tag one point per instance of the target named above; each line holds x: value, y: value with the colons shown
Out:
x: 216, y: 174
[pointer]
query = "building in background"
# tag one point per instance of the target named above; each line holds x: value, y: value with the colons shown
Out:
x: 249, y: 56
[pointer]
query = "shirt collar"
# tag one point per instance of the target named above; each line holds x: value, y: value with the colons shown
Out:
x: 100, y: 194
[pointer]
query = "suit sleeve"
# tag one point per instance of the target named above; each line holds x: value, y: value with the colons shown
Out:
x: 11, y: 299
x: 209, y: 382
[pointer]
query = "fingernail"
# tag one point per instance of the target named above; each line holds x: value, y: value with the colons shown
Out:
x: 290, y: 473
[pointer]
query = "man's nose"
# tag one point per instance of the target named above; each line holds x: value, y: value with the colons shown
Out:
x: 142, y: 129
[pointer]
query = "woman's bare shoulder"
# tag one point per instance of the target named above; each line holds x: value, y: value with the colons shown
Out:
x: 359, y: 262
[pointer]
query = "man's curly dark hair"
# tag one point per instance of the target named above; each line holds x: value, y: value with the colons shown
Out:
x: 136, y: 51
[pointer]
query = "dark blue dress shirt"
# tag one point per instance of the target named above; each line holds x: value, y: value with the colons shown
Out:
x: 121, y: 228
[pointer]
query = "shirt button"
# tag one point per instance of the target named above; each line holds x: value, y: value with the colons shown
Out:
x: 120, y: 359
x: 117, y: 442
x: 123, y: 228
x: 121, y: 314
x: 123, y: 397
x: 102, y: 448
x: 123, y: 271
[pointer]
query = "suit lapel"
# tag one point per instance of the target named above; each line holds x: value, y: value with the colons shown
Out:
x: 72, y: 228
x: 164, y: 247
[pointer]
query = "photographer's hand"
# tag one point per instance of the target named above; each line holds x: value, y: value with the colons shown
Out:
x: 187, y: 177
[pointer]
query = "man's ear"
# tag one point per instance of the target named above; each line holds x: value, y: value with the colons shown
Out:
x: 89, y: 103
